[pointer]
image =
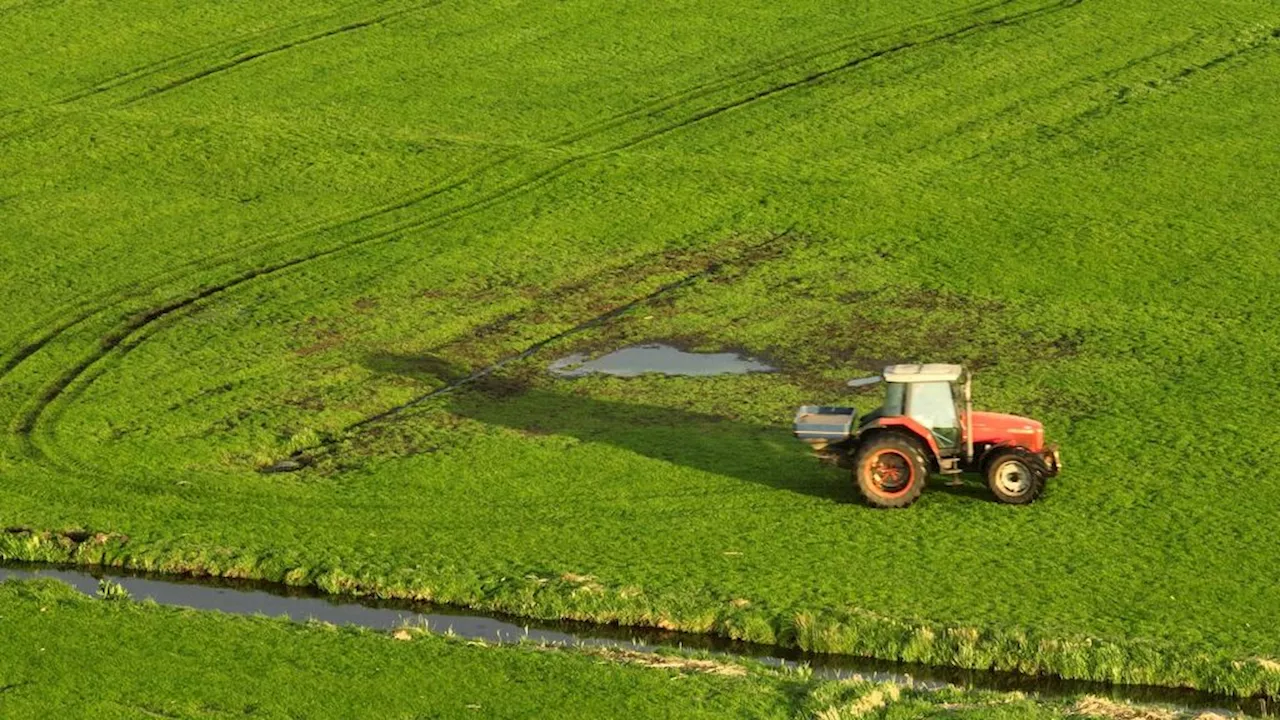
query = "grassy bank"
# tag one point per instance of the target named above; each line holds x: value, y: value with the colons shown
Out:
x: 235, y: 233
x: 80, y: 657
x: 847, y: 630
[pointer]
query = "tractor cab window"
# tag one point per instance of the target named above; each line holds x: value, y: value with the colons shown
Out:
x: 932, y: 405
x: 895, y: 399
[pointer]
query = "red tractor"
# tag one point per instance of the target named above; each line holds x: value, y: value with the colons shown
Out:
x: 927, y: 425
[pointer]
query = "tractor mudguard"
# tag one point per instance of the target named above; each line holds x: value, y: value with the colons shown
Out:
x: 904, y: 423
x: 1048, y: 461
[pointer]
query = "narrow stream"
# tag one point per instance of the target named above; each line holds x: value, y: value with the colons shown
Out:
x: 244, y: 597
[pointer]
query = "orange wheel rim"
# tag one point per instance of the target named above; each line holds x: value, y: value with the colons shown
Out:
x: 891, y: 472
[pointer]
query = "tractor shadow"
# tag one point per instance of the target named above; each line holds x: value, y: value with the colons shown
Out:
x: 756, y: 453
x: 420, y: 367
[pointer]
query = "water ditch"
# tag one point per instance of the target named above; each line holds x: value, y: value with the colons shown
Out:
x: 248, y: 597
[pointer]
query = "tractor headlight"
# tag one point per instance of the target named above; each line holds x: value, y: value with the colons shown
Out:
x: 1052, y: 459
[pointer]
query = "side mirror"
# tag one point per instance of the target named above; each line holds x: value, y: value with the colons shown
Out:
x: 864, y: 382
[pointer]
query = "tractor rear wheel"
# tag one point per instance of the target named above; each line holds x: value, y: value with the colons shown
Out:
x: 1015, y: 477
x: 889, y: 470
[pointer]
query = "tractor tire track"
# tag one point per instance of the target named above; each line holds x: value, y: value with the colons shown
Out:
x: 30, y: 419
x: 778, y: 64
x: 282, y: 47
x: 820, y: 75
x: 595, y: 321
x: 26, y: 422
x: 155, y: 67
x: 1170, y: 82
x: 158, y: 66
x: 78, y: 467
x: 103, y: 302
x: 1175, y: 80
x: 26, y: 5
x: 662, y: 103
x: 658, y: 105
x: 1263, y: 43
x: 87, y: 309
x: 1056, y: 91
x: 577, y: 135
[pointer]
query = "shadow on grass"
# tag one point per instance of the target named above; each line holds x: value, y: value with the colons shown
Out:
x: 420, y: 367
x: 762, y: 454
x: 765, y: 454
x: 716, y: 444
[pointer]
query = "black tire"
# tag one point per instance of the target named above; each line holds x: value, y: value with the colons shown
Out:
x: 880, y: 464
x: 1016, y: 477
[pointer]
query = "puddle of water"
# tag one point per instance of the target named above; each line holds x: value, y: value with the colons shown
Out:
x: 657, y: 358
x: 247, y: 597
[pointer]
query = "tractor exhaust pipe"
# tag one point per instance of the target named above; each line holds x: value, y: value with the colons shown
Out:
x: 968, y: 417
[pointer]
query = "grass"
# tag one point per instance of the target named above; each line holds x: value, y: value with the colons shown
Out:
x: 144, y: 660
x: 233, y: 234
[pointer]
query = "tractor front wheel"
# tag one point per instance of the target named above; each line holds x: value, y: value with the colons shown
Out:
x: 1015, y: 477
x: 890, y: 470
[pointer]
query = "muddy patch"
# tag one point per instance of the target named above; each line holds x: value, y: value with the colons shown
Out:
x: 657, y: 358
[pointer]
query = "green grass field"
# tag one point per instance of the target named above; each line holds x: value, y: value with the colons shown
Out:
x: 142, y: 660
x: 236, y: 231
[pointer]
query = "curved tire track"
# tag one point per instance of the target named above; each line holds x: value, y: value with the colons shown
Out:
x: 30, y: 419
x: 658, y: 105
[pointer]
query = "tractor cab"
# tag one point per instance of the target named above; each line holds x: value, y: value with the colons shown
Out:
x: 930, y: 395
x: 926, y: 425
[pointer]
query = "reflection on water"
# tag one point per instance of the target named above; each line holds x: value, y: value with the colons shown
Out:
x: 657, y: 358
x: 246, y: 597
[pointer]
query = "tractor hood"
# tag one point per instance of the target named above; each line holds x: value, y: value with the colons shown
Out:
x: 1002, y: 429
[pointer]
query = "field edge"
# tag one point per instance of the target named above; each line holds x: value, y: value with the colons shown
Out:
x: 837, y: 631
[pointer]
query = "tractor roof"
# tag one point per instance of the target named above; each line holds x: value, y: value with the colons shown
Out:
x: 932, y: 372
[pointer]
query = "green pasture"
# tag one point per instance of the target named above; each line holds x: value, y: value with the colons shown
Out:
x: 72, y: 656
x: 68, y: 655
x: 236, y: 232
